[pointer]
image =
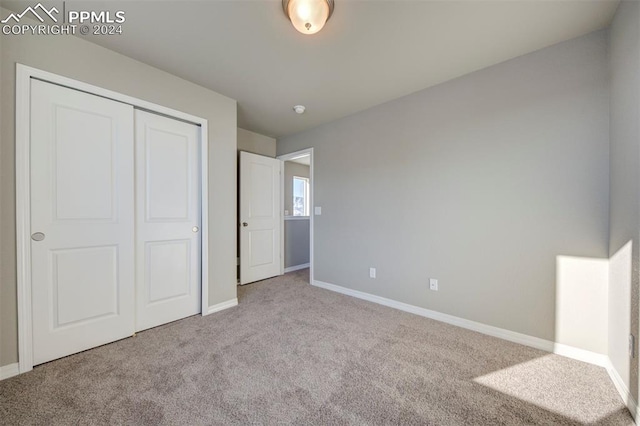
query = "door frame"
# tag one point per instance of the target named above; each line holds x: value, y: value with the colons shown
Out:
x: 289, y: 157
x: 24, y: 74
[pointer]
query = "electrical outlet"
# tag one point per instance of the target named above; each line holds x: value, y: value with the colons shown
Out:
x: 372, y: 272
x: 632, y: 346
x: 433, y: 284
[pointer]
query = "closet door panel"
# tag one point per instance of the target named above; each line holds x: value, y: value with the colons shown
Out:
x: 82, y: 221
x: 168, y: 268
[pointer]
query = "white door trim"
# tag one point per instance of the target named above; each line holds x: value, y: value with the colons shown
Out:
x: 24, y: 74
x: 288, y: 157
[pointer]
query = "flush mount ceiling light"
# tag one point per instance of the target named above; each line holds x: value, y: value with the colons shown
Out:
x: 299, y: 109
x: 308, y: 16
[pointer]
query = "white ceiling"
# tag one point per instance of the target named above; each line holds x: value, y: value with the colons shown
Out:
x: 368, y: 53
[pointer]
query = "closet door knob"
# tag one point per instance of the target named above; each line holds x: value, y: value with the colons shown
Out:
x: 37, y: 236
x: 245, y: 224
x: 195, y: 229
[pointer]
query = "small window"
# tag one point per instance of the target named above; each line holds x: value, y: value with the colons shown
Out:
x: 300, y: 196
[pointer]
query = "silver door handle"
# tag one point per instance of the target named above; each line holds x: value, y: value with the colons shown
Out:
x: 195, y: 229
x: 37, y: 236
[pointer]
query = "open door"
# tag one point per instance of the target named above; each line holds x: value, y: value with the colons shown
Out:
x: 260, y: 221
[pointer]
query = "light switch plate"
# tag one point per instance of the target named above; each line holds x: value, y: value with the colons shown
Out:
x: 318, y: 211
x: 433, y: 284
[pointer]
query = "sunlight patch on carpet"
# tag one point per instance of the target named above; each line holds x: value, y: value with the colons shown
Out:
x: 547, y: 383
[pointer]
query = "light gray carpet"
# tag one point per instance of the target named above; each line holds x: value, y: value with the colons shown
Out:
x: 291, y: 353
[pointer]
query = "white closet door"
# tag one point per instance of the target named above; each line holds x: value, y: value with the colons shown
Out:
x: 168, y: 272
x: 81, y: 218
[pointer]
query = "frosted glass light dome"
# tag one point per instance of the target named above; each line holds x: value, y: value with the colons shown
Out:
x: 308, y: 16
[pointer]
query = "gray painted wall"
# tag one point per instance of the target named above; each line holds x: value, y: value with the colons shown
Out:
x: 296, y: 242
x: 256, y: 143
x: 625, y: 188
x: 76, y: 58
x: 480, y: 182
x: 292, y: 169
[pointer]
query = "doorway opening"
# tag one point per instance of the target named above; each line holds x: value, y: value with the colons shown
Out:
x: 298, y: 211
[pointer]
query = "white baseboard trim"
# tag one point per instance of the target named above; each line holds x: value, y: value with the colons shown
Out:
x: 512, y: 336
x: 10, y: 370
x: 622, y: 389
x: 222, y: 306
x: 583, y: 355
x: 501, y: 333
x: 296, y: 267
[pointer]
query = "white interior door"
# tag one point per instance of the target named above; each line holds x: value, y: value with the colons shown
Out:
x: 260, y: 222
x: 168, y: 271
x: 82, y: 246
